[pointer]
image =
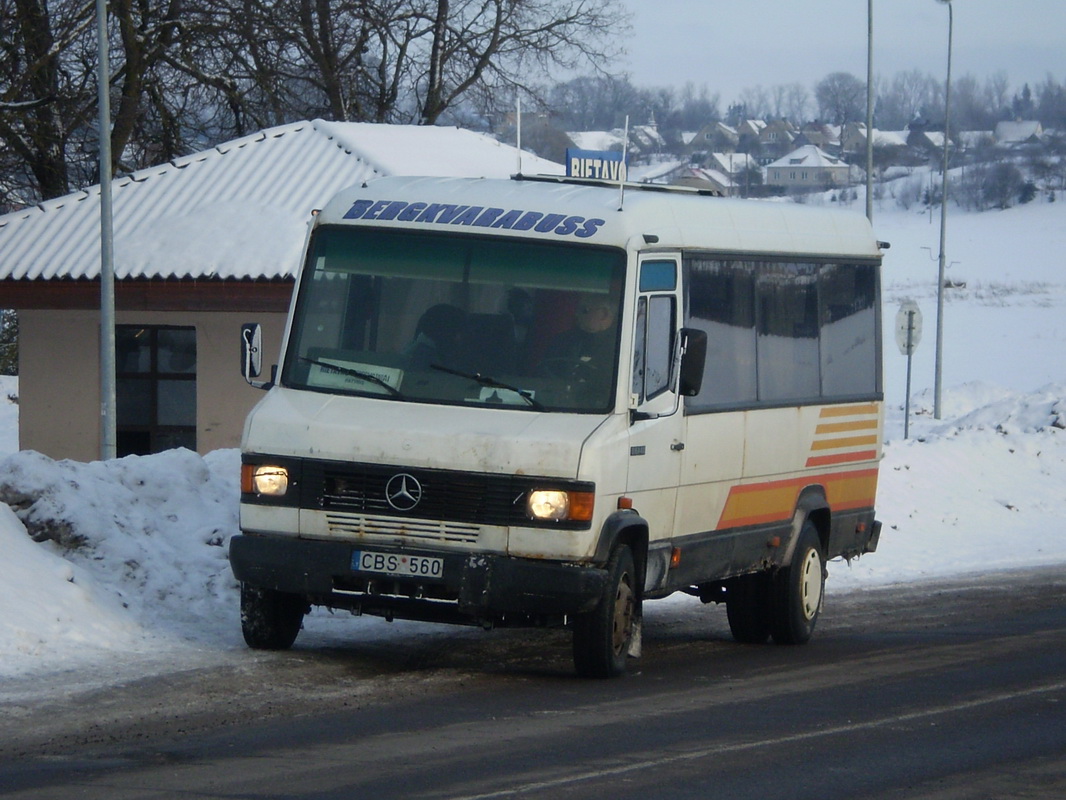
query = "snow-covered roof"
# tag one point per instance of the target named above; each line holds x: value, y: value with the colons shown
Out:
x: 642, y: 138
x: 1017, y: 131
x: 890, y: 138
x: 653, y: 173
x: 239, y: 210
x: 808, y: 156
x: 707, y: 175
x: 597, y: 140
x: 733, y: 162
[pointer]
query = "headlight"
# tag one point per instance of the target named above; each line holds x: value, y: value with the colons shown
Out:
x: 555, y: 504
x: 264, y: 479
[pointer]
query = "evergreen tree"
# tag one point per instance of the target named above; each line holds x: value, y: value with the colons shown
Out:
x: 9, y: 343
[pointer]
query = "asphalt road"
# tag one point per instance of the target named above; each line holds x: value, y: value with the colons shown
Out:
x: 945, y: 692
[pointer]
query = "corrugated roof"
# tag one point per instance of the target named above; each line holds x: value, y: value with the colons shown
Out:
x: 239, y: 210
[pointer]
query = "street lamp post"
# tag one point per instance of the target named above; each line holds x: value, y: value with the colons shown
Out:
x: 869, y: 109
x: 939, y: 368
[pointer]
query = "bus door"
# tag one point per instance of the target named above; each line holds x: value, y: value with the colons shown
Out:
x: 656, y: 420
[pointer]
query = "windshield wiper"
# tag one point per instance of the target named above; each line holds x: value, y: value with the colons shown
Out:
x: 492, y: 383
x: 363, y: 376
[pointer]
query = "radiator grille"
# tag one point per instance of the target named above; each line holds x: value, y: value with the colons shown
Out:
x: 428, y: 531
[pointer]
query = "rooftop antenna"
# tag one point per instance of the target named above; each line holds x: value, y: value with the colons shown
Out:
x: 518, y: 131
x: 622, y: 171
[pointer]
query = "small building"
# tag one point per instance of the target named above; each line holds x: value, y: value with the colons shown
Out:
x: 201, y: 245
x: 809, y: 167
x: 715, y: 137
x: 1018, y: 132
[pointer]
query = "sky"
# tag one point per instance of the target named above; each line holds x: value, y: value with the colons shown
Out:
x: 730, y: 46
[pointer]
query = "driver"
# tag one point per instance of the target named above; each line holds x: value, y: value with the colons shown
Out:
x: 591, y: 340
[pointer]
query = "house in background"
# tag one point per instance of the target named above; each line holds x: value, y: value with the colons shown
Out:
x: 201, y: 245
x: 809, y: 167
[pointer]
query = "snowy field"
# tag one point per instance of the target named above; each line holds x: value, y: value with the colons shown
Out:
x: 128, y: 573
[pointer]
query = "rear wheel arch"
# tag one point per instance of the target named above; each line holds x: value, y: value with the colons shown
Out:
x: 811, y: 505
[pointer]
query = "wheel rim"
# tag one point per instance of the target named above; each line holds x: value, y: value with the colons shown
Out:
x: 811, y: 584
x: 622, y: 621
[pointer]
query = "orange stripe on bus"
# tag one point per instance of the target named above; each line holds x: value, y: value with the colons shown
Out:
x: 775, y: 501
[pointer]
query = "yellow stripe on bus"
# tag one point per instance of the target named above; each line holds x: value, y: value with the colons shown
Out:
x: 844, y: 441
x: 844, y: 427
x: 848, y: 411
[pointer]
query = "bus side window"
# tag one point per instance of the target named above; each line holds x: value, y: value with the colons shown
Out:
x: 653, y: 347
x: 660, y: 346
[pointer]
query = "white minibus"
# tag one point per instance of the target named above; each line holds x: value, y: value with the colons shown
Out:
x: 543, y: 402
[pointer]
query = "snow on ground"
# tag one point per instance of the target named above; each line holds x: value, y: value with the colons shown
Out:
x: 119, y: 568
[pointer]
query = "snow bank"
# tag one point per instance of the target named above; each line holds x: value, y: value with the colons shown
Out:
x: 130, y: 554
x: 980, y: 493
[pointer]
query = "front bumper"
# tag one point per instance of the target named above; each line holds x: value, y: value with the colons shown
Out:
x: 475, y: 588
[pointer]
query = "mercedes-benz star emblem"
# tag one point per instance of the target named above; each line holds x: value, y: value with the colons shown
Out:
x: 403, y: 491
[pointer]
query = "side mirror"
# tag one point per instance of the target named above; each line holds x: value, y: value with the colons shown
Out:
x: 252, y: 353
x: 693, y: 358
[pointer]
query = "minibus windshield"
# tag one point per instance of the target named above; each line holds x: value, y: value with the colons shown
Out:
x: 459, y: 320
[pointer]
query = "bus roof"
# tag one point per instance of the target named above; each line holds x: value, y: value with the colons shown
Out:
x: 557, y: 210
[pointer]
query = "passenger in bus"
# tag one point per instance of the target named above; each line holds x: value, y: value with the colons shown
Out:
x: 438, y: 338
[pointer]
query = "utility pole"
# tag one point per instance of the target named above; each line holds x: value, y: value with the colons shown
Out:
x: 108, y: 427
x: 942, y: 264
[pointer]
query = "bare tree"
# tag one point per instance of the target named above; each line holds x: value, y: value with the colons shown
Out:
x: 42, y: 103
x: 507, y: 44
x: 757, y: 102
x: 841, y: 98
x: 909, y: 95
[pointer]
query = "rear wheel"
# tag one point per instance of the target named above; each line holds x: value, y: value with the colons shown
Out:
x: 798, y: 589
x: 270, y: 620
x: 602, y: 637
x: 747, y: 605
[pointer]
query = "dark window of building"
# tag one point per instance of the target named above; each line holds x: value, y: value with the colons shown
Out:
x: 156, y: 388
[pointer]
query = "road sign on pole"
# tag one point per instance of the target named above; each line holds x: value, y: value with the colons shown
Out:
x: 908, y: 334
x: 908, y: 327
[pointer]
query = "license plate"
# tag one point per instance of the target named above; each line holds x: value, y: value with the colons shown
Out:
x: 401, y: 565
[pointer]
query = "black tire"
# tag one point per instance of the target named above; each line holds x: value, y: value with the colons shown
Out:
x: 602, y: 637
x: 798, y: 590
x: 747, y: 605
x: 270, y: 620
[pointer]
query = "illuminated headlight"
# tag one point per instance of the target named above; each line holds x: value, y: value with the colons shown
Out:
x: 554, y: 504
x: 266, y: 479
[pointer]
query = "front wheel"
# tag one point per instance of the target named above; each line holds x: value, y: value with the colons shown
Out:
x: 270, y: 620
x: 603, y: 637
x: 798, y: 589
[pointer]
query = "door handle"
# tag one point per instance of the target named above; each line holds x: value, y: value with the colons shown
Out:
x: 677, y: 447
